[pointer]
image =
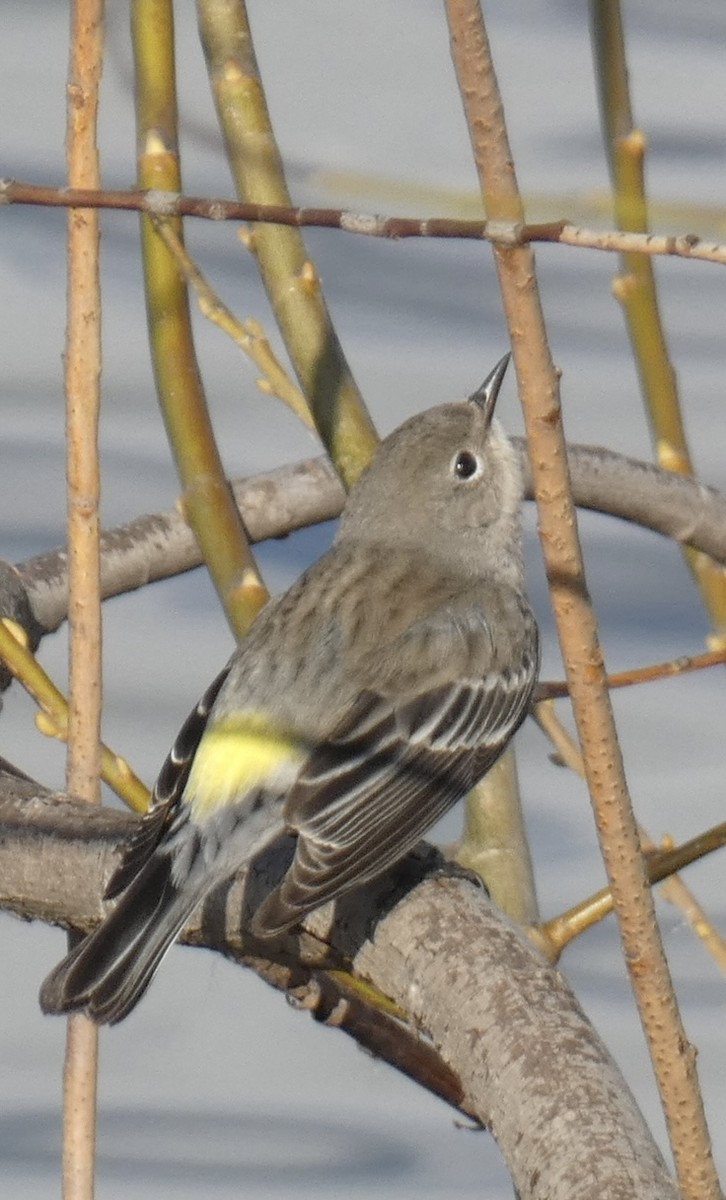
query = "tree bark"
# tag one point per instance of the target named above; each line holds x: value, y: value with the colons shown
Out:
x: 160, y: 545
x: 503, y: 1023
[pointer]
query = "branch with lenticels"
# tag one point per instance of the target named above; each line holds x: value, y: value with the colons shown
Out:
x: 159, y: 546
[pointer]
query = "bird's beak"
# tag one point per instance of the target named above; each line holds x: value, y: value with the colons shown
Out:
x: 486, y: 395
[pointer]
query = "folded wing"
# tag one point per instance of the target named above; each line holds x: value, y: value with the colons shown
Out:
x: 387, y: 774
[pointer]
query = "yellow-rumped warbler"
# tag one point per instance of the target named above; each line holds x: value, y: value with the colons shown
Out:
x: 363, y: 703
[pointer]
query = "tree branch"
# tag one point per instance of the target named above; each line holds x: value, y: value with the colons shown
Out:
x: 162, y: 545
x: 502, y: 233
x: 514, y: 1050
x: 671, y: 1054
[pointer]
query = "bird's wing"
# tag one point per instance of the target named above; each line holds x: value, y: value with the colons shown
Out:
x: 389, y: 771
x: 167, y: 794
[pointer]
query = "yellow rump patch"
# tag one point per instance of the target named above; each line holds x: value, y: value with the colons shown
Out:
x: 238, y: 755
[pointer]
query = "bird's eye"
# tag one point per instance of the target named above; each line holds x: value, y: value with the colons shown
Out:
x: 467, y: 465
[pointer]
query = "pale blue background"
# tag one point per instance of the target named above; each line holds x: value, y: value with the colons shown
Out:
x: 215, y: 1086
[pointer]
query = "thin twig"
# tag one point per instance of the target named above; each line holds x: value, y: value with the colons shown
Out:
x: 83, y: 395
x: 248, y: 335
x: 672, y: 1055
x: 557, y: 933
x: 556, y: 689
x: 53, y: 720
x: 159, y: 203
x: 661, y: 865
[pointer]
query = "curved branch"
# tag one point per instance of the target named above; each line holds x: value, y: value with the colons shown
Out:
x: 518, y: 1052
x: 161, y: 545
x: 292, y: 497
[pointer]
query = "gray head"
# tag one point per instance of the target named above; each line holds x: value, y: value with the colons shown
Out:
x: 447, y: 480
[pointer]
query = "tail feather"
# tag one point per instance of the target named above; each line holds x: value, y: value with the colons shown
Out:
x: 108, y: 972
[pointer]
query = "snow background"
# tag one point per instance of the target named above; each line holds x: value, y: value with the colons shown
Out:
x: 215, y: 1085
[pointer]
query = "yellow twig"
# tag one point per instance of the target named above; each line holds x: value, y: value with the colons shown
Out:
x: 660, y: 865
x: 635, y: 287
x: 494, y: 841
x: 289, y: 276
x: 52, y: 720
x: 207, y: 497
x: 561, y: 930
x: 248, y: 335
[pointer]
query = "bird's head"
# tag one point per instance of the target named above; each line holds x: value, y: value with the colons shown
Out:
x: 447, y: 479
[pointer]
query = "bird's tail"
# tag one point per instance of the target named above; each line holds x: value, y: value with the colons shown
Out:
x: 108, y: 972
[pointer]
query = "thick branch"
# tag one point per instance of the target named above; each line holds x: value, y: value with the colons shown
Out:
x: 159, y: 546
x: 529, y: 1065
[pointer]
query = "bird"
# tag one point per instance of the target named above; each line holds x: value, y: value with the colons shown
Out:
x: 363, y: 704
